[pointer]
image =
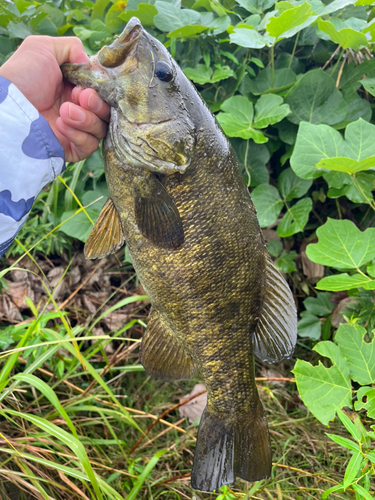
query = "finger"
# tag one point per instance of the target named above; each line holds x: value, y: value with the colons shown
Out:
x: 89, y: 99
x: 82, y: 144
x: 83, y: 120
x: 68, y: 49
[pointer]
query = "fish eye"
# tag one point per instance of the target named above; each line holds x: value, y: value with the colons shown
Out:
x: 163, y: 71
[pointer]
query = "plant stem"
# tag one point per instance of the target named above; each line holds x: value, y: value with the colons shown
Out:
x: 272, y: 65
x: 294, y: 50
x: 245, y: 164
x: 338, y: 60
x: 338, y: 208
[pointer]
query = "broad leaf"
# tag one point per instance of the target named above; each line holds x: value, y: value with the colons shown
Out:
x: 145, y: 13
x: 322, y: 389
x: 348, y: 38
x: 314, y: 142
x: 274, y: 82
x: 369, y: 85
x: 202, y: 74
x: 295, y: 218
x: 315, y: 99
x: 287, y: 262
x: 340, y: 282
x: 267, y: 203
x: 367, y: 393
x: 289, y: 19
x: 257, y: 157
x: 190, y: 30
x: 347, y: 165
x: 291, y: 186
x: 170, y: 17
x: 309, y: 326
x: 319, y: 305
x: 269, y: 109
x: 250, y: 38
x: 342, y: 245
x: 359, y: 142
x: 360, y: 355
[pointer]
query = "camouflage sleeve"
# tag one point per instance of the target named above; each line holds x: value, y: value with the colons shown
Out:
x: 30, y: 157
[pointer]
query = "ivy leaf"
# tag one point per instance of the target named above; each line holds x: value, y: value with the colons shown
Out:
x: 322, y: 389
x: 269, y: 110
x: 267, y: 203
x: 359, y: 143
x: 360, y: 355
x: 340, y: 282
x: 268, y: 82
x: 202, y: 74
x: 188, y: 31
x: 257, y: 157
x: 346, y: 165
x: 171, y: 17
x: 319, y: 305
x: 287, y: 262
x: 348, y: 38
x: 369, y: 85
x: 289, y: 19
x: 315, y: 99
x: 291, y: 186
x: 237, y: 119
x: 314, y: 142
x: 247, y: 37
x: 309, y: 326
x: 369, y: 404
x: 145, y: 13
x: 295, y: 218
x: 342, y: 245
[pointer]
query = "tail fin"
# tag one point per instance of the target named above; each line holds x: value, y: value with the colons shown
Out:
x: 230, y: 446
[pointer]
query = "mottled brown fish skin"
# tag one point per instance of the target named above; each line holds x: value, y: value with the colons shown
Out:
x: 207, y: 292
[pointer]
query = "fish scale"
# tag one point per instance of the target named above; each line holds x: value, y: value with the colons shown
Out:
x: 178, y: 199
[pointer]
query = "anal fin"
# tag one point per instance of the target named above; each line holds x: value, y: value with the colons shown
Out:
x: 276, y: 333
x: 106, y: 236
x: 162, y: 355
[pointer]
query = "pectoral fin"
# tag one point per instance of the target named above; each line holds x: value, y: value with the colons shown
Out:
x: 162, y: 355
x: 156, y: 213
x: 106, y: 236
x: 276, y: 332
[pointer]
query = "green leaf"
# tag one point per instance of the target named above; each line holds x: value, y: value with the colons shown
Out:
x: 350, y: 427
x: 112, y: 18
x: 286, y: 263
x: 18, y: 30
x: 315, y: 99
x: 222, y: 73
x: 142, y: 478
x: 289, y: 19
x: 145, y: 13
x: 274, y: 247
x: 319, y: 305
x: 360, y: 355
x: 369, y: 404
x: 257, y: 157
x: 340, y: 282
x: 170, y: 17
x: 291, y: 186
x: 347, y: 38
x: 272, y: 82
x: 188, y: 31
x: 200, y: 74
x: 352, y: 469
x: 309, y: 326
x: 346, y: 165
x: 342, y: 245
x: 361, y: 491
x: 237, y: 119
x: 295, y: 218
x: 313, y: 143
x: 99, y: 9
x: 322, y: 389
x: 357, y: 108
x: 247, y: 37
x: 369, y: 85
x: 345, y: 442
x: 359, y: 143
x: 269, y: 109
x: 267, y: 203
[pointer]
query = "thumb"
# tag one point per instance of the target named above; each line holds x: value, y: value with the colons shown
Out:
x: 68, y: 49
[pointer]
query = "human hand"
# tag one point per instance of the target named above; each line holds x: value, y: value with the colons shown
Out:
x: 78, y: 117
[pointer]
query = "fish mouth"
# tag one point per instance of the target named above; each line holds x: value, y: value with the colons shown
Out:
x: 115, y: 54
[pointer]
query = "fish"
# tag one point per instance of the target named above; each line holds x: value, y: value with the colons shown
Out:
x: 178, y: 200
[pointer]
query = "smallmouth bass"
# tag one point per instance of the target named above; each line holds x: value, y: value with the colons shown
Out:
x: 178, y: 199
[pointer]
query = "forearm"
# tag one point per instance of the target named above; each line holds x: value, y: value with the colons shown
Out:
x: 30, y: 157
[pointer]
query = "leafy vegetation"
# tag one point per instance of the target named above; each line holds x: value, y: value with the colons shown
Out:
x: 293, y: 85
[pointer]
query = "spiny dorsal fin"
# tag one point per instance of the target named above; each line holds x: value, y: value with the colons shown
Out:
x: 156, y: 213
x: 276, y: 333
x: 161, y: 354
x: 106, y: 236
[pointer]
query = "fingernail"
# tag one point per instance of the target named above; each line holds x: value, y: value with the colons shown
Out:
x: 94, y: 103
x: 76, y: 114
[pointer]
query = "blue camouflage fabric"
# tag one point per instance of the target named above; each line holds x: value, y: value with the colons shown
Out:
x: 30, y: 157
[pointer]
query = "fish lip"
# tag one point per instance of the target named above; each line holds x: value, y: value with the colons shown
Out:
x: 115, y: 54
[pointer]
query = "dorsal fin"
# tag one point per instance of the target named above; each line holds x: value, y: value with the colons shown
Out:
x: 106, y: 236
x: 276, y: 333
x: 162, y: 355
